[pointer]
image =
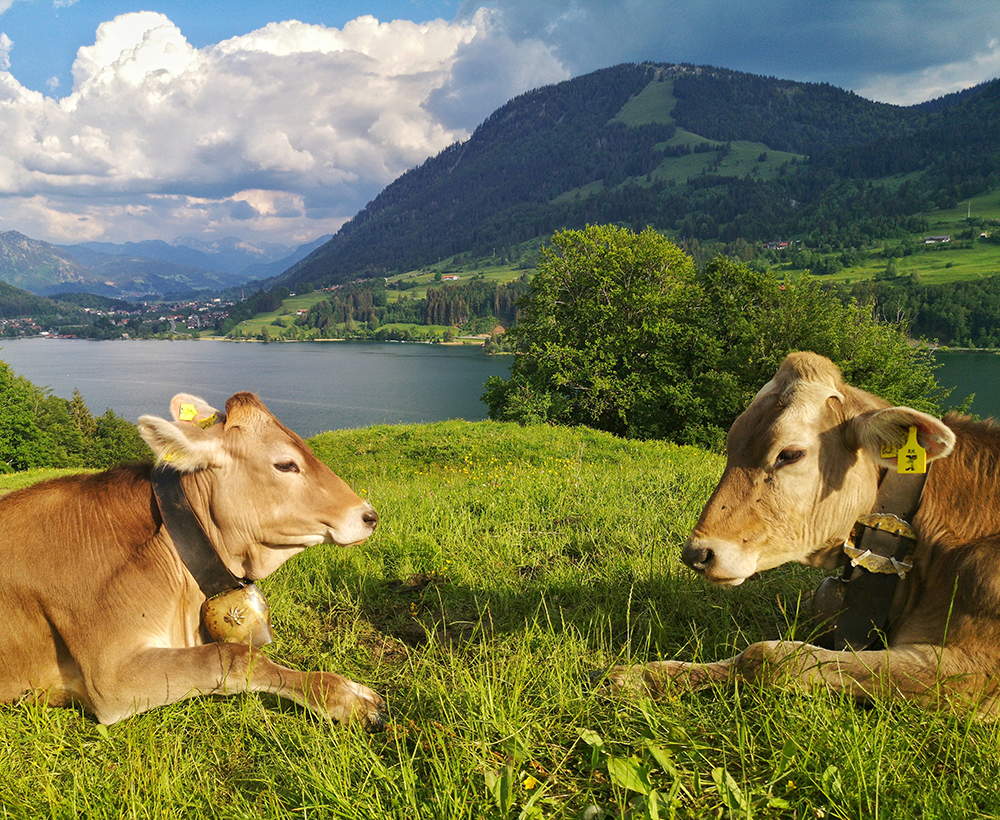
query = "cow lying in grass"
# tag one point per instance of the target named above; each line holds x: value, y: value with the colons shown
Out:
x: 98, y: 605
x: 808, y: 457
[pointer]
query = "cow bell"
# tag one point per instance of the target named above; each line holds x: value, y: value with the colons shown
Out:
x: 239, y: 615
x: 828, y: 602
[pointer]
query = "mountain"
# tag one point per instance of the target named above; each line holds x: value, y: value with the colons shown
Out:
x: 16, y: 302
x: 38, y: 267
x: 134, y: 269
x: 705, y: 154
x: 46, y: 269
x: 228, y: 255
x: 267, y: 270
x: 231, y: 254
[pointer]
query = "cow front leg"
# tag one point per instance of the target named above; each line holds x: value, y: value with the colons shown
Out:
x: 929, y: 675
x: 157, y: 677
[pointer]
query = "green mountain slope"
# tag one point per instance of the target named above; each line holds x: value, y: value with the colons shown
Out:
x: 700, y: 152
x: 15, y: 302
x: 32, y: 265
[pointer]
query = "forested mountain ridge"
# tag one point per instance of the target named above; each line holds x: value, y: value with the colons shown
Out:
x: 16, y: 302
x: 702, y: 153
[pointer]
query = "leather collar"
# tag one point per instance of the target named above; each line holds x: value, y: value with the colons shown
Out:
x: 881, y: 554
x: 189, y: 538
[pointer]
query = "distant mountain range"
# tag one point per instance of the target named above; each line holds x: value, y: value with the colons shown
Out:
x: 141, y: 269
x: 708, y: 155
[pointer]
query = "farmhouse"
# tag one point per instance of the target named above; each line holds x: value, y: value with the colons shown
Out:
x: 933, y: 240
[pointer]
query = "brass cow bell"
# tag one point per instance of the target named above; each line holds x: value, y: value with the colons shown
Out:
x: 240, y: 615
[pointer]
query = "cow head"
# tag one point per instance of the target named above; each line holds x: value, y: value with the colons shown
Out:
x: 802, y: 464
x: 258, y: 490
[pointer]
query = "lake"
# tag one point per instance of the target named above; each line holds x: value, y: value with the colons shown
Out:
x: 318, y: 386
x: 311, y: 386
x: 971, y: 372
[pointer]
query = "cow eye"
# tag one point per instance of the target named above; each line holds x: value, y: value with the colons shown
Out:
x: 786, y: 457
x: 286, y: 467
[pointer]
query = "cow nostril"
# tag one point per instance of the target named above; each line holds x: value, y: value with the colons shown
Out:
x: 698, y: 558
x: 370, y: 517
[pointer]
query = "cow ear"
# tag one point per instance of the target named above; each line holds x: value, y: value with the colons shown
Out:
x: 188, y: 409
x: 185, y: 446
x: 885, y: 431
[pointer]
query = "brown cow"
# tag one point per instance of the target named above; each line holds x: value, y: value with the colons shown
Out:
x: 98, y: 608
x: 804, y: 462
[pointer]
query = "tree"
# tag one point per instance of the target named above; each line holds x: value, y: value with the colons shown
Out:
x: 38, y: 429
x: 595, y: 334
x: 81, y: 414
x: 22, y: 443
x: 114, y: 441
x: 620, y: 333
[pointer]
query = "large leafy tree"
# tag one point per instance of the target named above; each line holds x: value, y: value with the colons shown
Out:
x: 23, y: 444
x: 619, y: 332
x: 605, y: 306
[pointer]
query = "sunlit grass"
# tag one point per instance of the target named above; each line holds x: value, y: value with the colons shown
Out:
x: 510, y: 564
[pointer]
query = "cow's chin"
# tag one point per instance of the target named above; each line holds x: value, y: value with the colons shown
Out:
x: 731, y: 568
x: 726, y: 582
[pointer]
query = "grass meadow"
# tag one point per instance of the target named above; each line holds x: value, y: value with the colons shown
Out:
x: 510, y: 565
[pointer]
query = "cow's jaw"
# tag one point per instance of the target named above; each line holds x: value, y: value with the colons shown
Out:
x: 261, y: 559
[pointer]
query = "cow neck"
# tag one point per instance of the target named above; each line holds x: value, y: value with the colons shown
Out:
x: 880, y: 556
x: 188, y: 536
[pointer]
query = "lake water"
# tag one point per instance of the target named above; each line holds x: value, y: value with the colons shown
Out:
x: 971, y: 373
x: 318, y: 386
x: 311, y: 386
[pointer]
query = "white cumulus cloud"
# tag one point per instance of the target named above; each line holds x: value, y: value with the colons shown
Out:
x: 158, y: 138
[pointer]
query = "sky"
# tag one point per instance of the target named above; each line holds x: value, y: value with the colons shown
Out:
x: 127, y: 120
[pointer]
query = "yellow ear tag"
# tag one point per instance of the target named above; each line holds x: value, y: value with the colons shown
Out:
x: 206, y: 422
x: 911, y: 458
x: 188, y: 412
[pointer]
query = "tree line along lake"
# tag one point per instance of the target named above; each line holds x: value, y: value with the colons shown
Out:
x: 317, y: 386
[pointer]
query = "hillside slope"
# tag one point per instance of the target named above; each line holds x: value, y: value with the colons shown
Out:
x: 701, y: 152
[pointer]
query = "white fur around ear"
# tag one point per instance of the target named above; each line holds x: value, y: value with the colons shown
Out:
x: 185, y: 446
x: 890, y: 427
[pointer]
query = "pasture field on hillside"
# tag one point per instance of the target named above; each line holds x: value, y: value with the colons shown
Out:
x: 937, y: 265
x: 947, y: 262
x: 424, y: 279
x: 421, y: 280
x: 510, y: 564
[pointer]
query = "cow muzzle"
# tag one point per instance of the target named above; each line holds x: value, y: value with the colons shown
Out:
x: 719, y: 561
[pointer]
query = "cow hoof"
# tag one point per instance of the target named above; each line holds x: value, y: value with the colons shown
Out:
x: 628, y: 681
x: 378, y: 720
x: 369, y: 711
